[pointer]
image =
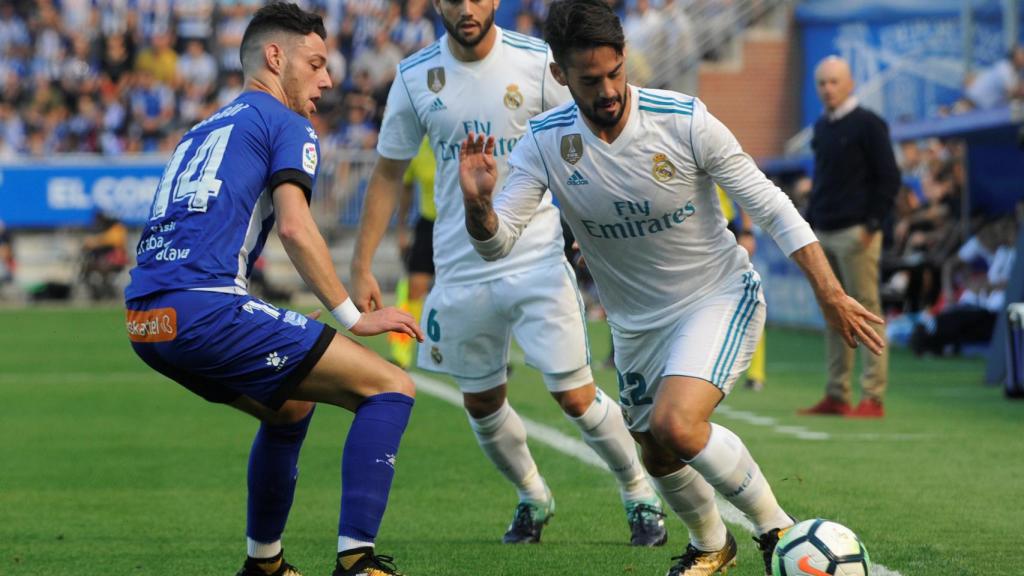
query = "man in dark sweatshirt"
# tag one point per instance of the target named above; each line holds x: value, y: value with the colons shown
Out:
x: 855, y: 182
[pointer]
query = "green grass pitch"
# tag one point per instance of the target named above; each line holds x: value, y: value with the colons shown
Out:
x: 107, y: 468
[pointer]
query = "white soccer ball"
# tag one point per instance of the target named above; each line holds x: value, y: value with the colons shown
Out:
x: 820, y: 548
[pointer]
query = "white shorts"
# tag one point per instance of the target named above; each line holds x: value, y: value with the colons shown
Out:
x: 712, y: 340
x: 469, y: 326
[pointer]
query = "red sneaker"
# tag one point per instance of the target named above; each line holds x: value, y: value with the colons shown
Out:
x: 868, y: 408
x: 827, y: 407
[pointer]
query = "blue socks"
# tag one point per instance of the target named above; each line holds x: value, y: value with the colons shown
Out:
x: 273, y: 470
x: 368, y: 464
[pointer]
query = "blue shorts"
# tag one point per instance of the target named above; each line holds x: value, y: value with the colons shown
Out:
x: 222, y: 346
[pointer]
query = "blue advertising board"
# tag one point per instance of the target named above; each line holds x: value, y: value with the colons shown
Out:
x: 906, y: 56
x: 70, y: 192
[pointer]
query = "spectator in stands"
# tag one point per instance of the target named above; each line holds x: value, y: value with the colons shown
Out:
x: 79, y: 73
x: 13, y: 31
x: 48, y: 53
x: 104, y: 256
x: 12, y: 131
x: 229, y: 36
x: 118, y: 60
x: 160, y: 60
x: 855, y: 182
x: 414, y: 30
x: 84, y: 126
x: 115, y: 121
x: 989, y: 256
x: 230, y: 88
x: 359, y: 132
x: 380, y: 60
x: 152, y: 109
x: 6, y: 255
x: 197, y: 69
x: 998, y: 84
x: 194, y: 19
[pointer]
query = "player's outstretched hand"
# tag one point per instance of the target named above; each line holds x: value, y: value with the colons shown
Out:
x: 853, y: 322
x: 478, y: 172
x: 365, y: 292
x: 387, y: 320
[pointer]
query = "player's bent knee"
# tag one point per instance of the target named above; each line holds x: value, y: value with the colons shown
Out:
x: 676, y: 432
x: 577, y: 401
x: 398, y: 380
x: 482, y: 404
x: 293, y: 411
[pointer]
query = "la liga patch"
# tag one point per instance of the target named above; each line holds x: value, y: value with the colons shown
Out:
x: 309, y: 158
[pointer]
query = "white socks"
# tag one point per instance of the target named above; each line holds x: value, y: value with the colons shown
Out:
x: 728, y: 466
x: 345, y: 544
x: 604, y: 430
x: 262, y: 550
x: 690, y: 496
x: 502, y: 437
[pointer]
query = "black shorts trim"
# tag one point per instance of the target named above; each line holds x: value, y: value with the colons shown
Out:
x: 303, y: 369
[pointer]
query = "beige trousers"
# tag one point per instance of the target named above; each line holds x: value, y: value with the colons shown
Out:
x: 857, y: 269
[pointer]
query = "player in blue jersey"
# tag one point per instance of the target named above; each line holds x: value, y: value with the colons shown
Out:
x: 190, y: 317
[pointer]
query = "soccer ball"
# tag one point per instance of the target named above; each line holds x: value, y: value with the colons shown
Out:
x: 820, y: 548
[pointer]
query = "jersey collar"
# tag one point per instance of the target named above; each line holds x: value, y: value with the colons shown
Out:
x: 624, y: 138
x: 475, y: 67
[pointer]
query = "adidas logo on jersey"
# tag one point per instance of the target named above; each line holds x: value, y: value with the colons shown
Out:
x: 437, y: 105
x: 577, y: 179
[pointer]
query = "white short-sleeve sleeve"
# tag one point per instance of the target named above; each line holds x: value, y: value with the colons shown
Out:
x: 717, y: 152
x: 401, y: 132
x: 517, y: 201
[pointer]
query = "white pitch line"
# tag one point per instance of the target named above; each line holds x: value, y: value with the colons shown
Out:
x: 804, y: 433
x: 577, y: 449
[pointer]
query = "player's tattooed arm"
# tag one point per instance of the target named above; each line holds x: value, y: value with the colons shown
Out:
x: 478, y: 175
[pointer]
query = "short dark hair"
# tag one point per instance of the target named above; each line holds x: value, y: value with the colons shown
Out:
x: 275, y: 18
x: 581, y: 25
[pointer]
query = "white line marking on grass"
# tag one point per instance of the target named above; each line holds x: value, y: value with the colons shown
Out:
x: 577, y: 449
x: 804, y: 433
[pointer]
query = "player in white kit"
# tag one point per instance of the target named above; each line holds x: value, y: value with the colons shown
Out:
x: 634, y: 171
x: 481, y: 78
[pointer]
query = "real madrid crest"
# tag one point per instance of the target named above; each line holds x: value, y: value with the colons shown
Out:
x: 663, y: 169
x: 513, y: 97
x: 435, y: 79
x: 572, y: 148
x: 435, y: 355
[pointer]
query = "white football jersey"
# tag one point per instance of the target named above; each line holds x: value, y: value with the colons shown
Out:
x: 644, y: 208
x: 437, y: 95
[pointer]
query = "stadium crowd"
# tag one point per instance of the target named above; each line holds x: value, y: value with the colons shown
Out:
x: 129, y: 76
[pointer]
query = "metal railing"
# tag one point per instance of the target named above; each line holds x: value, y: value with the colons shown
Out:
x: 714, y: 24
x: 340, y: 188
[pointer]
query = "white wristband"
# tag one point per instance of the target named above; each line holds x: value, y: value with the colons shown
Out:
x: 347, y: 314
